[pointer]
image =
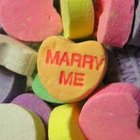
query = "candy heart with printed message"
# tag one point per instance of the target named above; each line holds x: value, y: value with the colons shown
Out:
x: 70, y: 71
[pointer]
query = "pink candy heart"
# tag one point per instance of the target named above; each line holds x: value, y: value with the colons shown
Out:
x: 30, y: 20
x: 112, y: 114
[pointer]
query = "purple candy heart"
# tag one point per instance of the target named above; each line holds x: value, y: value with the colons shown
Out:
x: 34, y: 104
x: 11, y: 84
x: 124, y: 66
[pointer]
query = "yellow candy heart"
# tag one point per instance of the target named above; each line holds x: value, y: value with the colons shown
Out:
x: 77, y: 17
x: 63, y: 123
x: 70, y: 71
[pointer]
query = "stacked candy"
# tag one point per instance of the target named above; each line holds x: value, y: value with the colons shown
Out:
x: 82, y: 83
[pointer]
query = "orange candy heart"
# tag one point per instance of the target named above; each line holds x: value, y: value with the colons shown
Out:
x: 70, y: 71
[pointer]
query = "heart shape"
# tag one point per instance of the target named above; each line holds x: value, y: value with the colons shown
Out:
x: 70, y: 71
x: 17, y: 123
x: 30, y: 20
x: 115, y: 25
x: 112, y: 114
x: 33, y: 103
x: 16, y: 56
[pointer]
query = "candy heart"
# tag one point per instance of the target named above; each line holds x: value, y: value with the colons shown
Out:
x: 16, y: 56
x: 66, y: 128
x: 134, y: 39
x: 11, y: 84
x: 122, y: 88
x: 78, y: 18
x: 34, y: 104
x: 41, y: 92
x: 16, y: 123
x: 115, y: 22
x: 124, y: 65
x: 30, y: 20
x: 70, y: 71
x: 111, y: 115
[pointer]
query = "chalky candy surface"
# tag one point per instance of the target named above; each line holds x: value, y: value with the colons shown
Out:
x: 30, y: 20
x: 111, y: 115
x: 16, y: 123
x: 122, y: 87
x: 16, y: 56
x: 134, y: 39
x: 64, y: 125
x: 41, y: 92
x: 11, y: 85
x: 33, y: 103
x: 124, y: 65
x: 78, y: 18
x: 115, y: 22
x: 70, y: 71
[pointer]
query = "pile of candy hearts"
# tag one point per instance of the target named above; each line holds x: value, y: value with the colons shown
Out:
x: 69, y: 70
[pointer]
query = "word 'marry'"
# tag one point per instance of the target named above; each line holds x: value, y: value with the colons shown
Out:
x: 73, y: 60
